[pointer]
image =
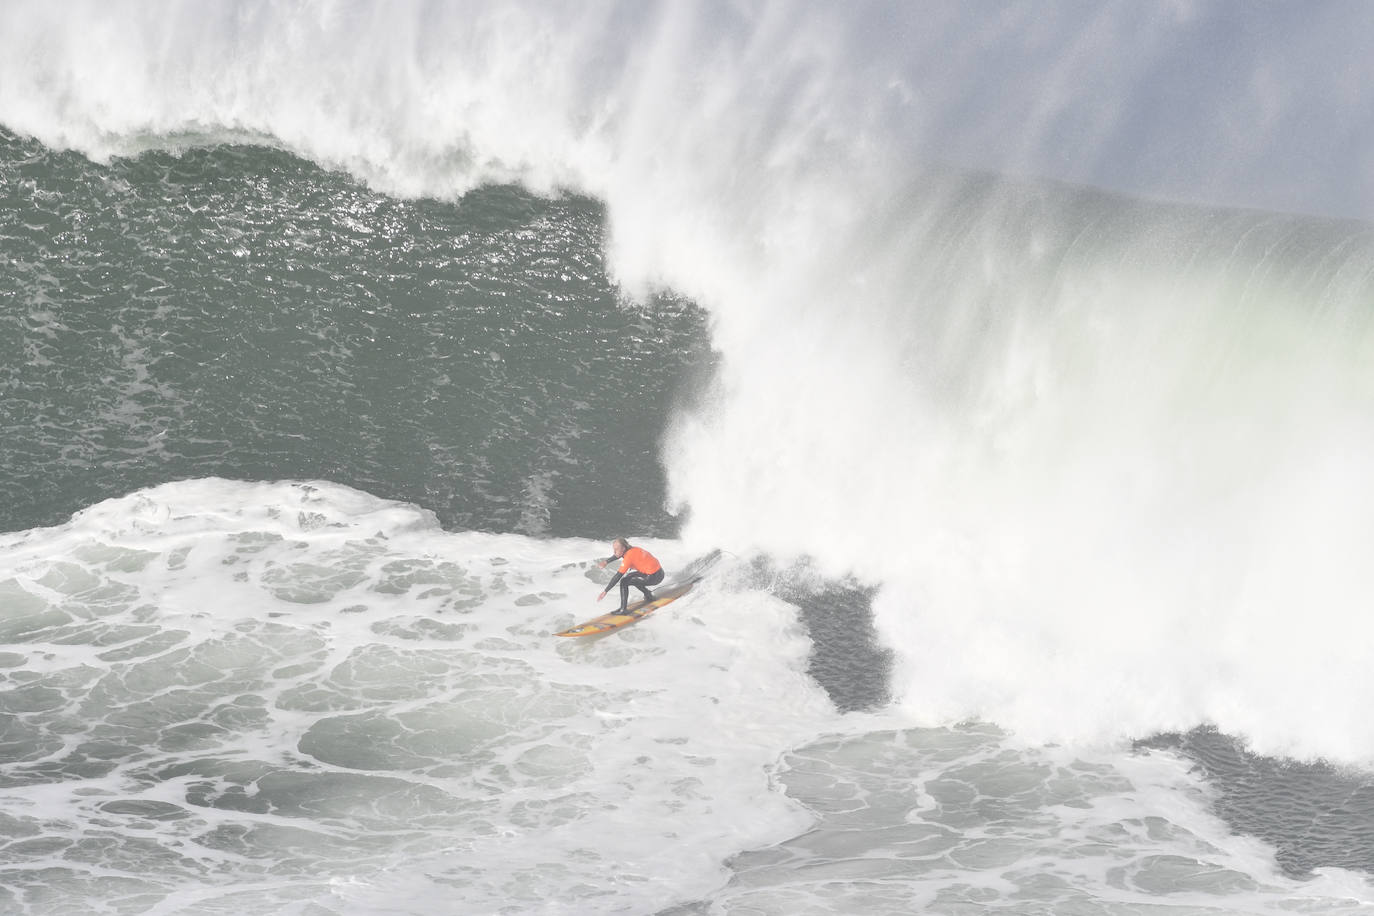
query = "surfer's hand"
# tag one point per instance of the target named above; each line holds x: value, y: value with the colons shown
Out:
x: 600, y: 596
x: 602, y: 564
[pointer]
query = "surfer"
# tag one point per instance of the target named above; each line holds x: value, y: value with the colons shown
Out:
x: 638, y: 567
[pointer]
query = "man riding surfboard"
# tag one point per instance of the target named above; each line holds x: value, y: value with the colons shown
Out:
x: 638, y: 567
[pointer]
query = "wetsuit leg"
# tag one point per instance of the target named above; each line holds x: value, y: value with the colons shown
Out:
x: 625, y: 584
x: 651, y: 580
x: 639, y: 581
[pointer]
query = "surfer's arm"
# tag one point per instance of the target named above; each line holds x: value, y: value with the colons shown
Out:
x: 611, y: 584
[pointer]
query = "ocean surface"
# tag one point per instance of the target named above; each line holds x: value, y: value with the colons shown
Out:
x: 1018, y: 360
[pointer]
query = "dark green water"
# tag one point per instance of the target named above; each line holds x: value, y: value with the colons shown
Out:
x: 240, y: 313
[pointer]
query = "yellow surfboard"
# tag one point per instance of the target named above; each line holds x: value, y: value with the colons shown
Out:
x: 634, y: 612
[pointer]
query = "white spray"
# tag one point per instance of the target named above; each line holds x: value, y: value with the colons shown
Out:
x: 1108, y: 459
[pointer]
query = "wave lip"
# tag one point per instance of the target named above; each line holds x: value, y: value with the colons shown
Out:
x: 630, y: 101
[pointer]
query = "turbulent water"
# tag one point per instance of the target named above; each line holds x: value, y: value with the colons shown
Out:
x: 1019, y: 360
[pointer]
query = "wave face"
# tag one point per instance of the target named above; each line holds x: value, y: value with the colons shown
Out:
x: 1049, y: 329
x: 239, y: 313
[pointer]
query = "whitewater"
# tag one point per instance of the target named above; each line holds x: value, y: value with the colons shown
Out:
x: 1018, y: 359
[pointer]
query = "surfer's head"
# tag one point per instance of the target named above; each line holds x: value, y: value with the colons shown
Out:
x: 619, y: 546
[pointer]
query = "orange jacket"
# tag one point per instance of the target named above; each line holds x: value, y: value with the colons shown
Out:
x: 640, y: 559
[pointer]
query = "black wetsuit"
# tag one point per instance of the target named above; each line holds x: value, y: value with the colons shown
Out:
x: 639, y: 580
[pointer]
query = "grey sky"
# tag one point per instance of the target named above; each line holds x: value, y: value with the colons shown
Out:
x: 1268, y: 105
